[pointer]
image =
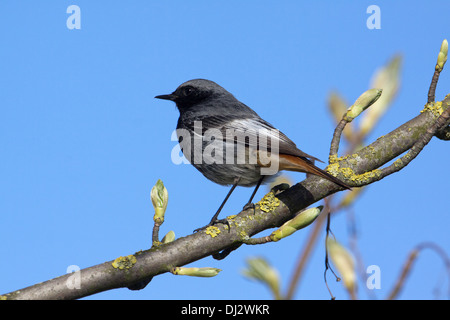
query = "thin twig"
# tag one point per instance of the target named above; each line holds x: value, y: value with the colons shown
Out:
x: 155, y: 233
x: 337, y: 137
x: 327, y: 263
x: 409, y: 264
x: 261, y: 240
x: 432, y: 89
x: 442, y: 58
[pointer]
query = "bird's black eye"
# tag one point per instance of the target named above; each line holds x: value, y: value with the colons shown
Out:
x: 188, y: 91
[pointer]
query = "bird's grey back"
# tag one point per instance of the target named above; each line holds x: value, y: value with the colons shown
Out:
x: 219, y: 101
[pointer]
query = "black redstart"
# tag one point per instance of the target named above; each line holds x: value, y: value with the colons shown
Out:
x: 229, y: 143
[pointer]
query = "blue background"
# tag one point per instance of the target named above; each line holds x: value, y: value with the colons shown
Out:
x: 83, y: 140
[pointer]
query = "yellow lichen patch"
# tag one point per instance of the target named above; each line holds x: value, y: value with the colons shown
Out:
x: 398, y: 163
x: 351, y: 158
x: 156, y: 243
x: 124, y: 262
x: 243, y: 235
x: 268, y: 202
x: 434, y: 107
x: 333, y: 158
x: 333, y: 168
x: 365, y: 177
x: 212, y: 231
x: 347, y: 173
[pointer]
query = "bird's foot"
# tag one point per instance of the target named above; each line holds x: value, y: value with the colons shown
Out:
x: 212, y: 223
x: 249, y: 205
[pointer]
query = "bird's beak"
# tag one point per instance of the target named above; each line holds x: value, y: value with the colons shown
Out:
x: 171, y: 97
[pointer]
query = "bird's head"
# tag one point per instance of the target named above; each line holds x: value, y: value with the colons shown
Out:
x: 193, y: 92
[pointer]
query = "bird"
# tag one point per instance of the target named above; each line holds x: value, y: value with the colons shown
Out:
x: 230, y: 144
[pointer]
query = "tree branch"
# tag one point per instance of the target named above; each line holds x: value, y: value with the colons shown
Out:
x: 160, y: 259
x: 357, y: 169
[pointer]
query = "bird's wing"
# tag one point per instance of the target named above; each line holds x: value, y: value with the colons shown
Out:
x: 253, y: 132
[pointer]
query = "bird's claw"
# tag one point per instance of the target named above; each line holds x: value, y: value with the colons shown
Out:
x: 249, y: 206
x: 223, y: 221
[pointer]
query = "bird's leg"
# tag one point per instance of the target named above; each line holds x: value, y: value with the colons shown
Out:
x: 250, y: 204
x: 214, y: 219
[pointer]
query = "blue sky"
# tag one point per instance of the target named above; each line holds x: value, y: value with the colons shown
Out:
x: 83, y: 140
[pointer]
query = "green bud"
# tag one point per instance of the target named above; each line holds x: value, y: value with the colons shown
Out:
x: 300, y: 221
x: 160, y: 197
x: 259, y: 269
x: 442, y: 57
x: 169, y: 237
x: 362, y: 103
x: 196, y: 272
x: 343, y: 261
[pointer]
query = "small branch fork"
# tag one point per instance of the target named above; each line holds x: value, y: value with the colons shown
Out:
x: 439, y: 129
x: 440, y: 124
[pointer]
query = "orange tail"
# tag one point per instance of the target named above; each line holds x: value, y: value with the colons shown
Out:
x: 293, y: 163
